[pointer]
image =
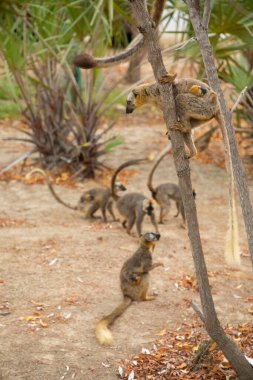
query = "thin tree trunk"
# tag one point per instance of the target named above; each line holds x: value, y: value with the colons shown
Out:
x: 133, y: 73
x: 211, y: 321
x: 200, y: 28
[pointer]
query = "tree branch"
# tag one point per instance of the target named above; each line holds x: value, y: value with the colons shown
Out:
x: 228, y: 133
x: 241, y: 95
x: 198, y: 311
x: 206, y: 14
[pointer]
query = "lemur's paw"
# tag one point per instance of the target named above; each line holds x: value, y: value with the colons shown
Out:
x: 168, y: 78
x: 177, y: 126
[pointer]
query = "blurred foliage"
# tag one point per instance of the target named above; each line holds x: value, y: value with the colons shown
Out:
x: 43, y: 36
x: 63, y: 106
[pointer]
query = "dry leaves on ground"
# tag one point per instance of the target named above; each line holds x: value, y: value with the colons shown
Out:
x: 12, y: 222
x: 172, y: 355
x: 188, y: 282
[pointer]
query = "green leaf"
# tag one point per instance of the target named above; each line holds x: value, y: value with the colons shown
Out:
x: 114, y: 143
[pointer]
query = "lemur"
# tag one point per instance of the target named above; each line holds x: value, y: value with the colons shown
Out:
x: 133, y: 206
x: 166, y: 192
x: 97, y: 198
x: 195, y: 104
x: 134, y: 283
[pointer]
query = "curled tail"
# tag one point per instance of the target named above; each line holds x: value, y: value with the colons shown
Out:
x: 163, y: 153
x: 86, y: 61
x: 103, y: 334
x: 121, y: 167
x: 50, y: 186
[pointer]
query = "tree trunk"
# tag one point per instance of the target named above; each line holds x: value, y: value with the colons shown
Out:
x: 212, y: 324
x: 133, y: 73
x: 200, y: 29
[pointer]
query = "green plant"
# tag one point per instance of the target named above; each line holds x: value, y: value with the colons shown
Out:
x: 63, y: 107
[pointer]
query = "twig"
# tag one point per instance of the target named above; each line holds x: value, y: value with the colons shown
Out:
x: 241, y: 95
x: 17, y: 139
x: 19, y: 159
x: 202, y: 350
x: 240, y: 130
x: 206, y: 14
x: 198, y: 311
x: 184, y: 44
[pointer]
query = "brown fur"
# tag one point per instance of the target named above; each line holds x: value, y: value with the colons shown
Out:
x: 133, y: 206
x: 165, y: 192
x: 92, y: 200
x: 134, y: 283
x: 195, y: 104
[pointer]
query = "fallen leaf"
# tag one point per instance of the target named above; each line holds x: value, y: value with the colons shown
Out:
x: 43, y: 324
x: 120, y: 371
x: 161, y: 333
x: 29, y: 318
x: 106, y: 365
x: 131, y: 375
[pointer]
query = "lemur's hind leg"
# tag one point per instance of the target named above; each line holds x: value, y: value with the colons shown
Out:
x: 90, y: 211
x: 146, y: 297
x: 188, y: 140
x: 161, y: 216
x: 110, y: 209
x: 130, y: 223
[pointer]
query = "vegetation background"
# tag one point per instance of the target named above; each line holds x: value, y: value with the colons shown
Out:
x: 72, y: 124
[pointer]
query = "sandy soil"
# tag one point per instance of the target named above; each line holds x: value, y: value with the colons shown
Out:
x: 59, y: 272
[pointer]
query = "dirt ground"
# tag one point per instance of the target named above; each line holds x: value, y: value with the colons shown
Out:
x: 59, y: 272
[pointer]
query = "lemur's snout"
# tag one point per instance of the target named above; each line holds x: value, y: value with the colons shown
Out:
x: 152, y: 236
x: 129, y: 107
x: 122, y: 187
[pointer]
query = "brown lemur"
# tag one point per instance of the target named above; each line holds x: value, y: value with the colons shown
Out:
x: 134, y: 283
x: 165, y: 192
x: 92, y: 200
x: 133, y: 206
x: 195, y: 104
x: 87, y: 61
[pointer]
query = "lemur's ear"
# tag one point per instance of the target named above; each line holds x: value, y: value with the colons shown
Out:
x: 135, y: 92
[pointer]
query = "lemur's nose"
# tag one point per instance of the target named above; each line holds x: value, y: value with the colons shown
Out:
x: 129, y: 107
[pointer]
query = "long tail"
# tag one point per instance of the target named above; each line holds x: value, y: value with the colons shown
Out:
x: 50, y: 186
x: 121, y: 167
x: 232, y: 247
x: 86, y: 61
x: 103, y: 334
x: 160, y: 157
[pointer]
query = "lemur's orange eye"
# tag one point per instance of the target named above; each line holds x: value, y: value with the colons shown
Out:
x: 196, y: 90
